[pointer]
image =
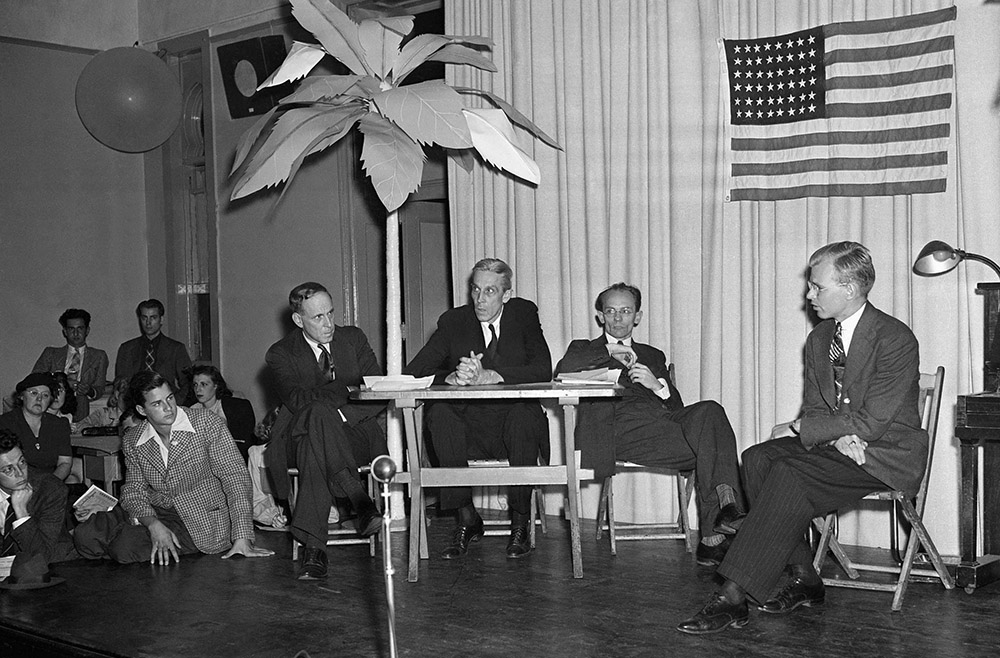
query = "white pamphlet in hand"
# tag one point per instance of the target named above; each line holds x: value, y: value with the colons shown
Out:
x: 398, y: 382
x: 598, y: 377
x: 95, y: 499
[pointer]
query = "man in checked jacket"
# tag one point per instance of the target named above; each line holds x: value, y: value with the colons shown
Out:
x: 186, y: 487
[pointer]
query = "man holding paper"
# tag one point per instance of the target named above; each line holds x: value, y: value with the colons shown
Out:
x: 495, y: 339
x: 650, y: 425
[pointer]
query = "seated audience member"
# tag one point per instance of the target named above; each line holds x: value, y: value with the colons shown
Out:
x: 34, y: 506
x: 63, y: 403
x: 266, y: 511
x: 211, y: 392
x: 319, y: 430
x: 153, y: 351
x: 650, y: 425
x: 110, y: 415
x: 85, y: 366
x: 497, y: 338
x: 859, y: 432
x: 185, y: 484
x: 44, y: 437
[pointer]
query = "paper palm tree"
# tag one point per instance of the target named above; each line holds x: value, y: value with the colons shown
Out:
x: 396, y: 120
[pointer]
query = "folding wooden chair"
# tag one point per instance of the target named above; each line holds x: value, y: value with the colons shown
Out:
x: 337, y: 534
x: 681, y: 529
x: 912, y: 510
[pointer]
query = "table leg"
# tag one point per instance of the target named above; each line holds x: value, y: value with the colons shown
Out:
x: 969, y: 502
x: 572, y: 483
x: 418, y: 537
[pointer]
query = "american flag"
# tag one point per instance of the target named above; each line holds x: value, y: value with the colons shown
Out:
x: 861, y: 108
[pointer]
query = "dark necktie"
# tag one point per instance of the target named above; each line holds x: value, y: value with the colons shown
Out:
x: 7, y: 541
x: 491, y: 349
x: 150, y: 356
x: 837, y: 359
x: 325, y: 363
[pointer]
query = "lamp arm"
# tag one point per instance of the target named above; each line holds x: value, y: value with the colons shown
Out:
x: 982, y: 259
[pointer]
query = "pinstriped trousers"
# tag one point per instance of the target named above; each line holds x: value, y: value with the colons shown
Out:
x: 787, y: 486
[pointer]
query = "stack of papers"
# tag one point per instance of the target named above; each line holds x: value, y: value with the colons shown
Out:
x: 398, y: 382
x: 599, y: 377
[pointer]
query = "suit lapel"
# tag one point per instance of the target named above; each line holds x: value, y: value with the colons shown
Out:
x: 861, y: 346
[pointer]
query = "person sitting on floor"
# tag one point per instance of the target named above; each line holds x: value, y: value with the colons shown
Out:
x: 33, y: 510
x: 185, y: 486
x: 651, y: 425
x: 44, y: 437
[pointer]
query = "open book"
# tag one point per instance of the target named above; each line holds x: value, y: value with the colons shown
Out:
x: 598, y: 377
x: 95, y: 499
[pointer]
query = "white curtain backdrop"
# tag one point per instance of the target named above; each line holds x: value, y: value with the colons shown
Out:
x: 631, y: 90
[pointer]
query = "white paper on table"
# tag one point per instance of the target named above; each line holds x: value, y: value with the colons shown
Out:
x: 598, y: 377
x: 398, y: 382
x: 5, y: 564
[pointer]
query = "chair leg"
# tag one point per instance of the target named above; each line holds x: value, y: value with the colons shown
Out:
x: 685, y: 489
x: 602, y: 508
x: 920, y: 537
x: 827, y: 541
x: 611, y: 515
x: 531, y: 516
x: 540, y: 500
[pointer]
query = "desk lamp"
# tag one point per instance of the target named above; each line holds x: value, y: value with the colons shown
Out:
x: 938, y: 257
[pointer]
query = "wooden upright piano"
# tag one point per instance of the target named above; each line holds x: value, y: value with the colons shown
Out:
x: 977, y: 427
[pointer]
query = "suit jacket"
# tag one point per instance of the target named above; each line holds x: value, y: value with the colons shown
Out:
x: 522, y: 353
x: 205, y: 480
x: 241, y: 422
x: 171, y: 361
x: 301, y: 384
x: 93, y: 372
x: 45, y: 532
x: 595, y: 431
x: 878, y: 400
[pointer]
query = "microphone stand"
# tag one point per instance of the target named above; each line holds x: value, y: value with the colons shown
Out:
x: 383, y: 469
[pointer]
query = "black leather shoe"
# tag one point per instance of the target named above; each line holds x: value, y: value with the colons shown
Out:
x: 729, y: 520
x: 369, y: 522
x: 797, y: 592
x: 313, y: 564
x: 519, y: 544
x: 464, y: 535
x: 712, y: 556
x: 717, y: 616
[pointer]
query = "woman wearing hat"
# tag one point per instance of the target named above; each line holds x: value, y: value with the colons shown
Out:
x: 44, y: 437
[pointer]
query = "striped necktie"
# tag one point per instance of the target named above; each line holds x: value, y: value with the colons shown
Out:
x: 7, y: 540
x: 150, y: 360
x: 326, y: 363
x: 837, y: 359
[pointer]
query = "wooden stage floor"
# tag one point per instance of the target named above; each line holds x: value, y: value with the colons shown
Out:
x: 483, y: 605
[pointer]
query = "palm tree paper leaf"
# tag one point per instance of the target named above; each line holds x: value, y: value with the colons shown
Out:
x: 429, y: 112
x: 393, y: 161
x: 296, y: 129
x: 455, y: 53
x: 493, y: 137
x: 380, y: 37
x: 319, y: 87
x: 327, y: 138
x: 512, y: 114
x: 250, y: 138
x: 298, y: 62
x: 421, y: 47
x: 337, y: 32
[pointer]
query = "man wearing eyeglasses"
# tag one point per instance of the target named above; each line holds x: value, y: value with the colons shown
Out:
x: 497, y: 338
x: 650, y: 425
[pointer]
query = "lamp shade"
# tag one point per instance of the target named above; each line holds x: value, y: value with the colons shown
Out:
x: 936, y: 258
x: 128, y: 99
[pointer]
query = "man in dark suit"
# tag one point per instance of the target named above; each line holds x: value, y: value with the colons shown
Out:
x: 495, y: 339
x: 859, y: 432
x: 154, y: 351
x: 32, y: 510
x: 319, y: 430
x: 86, y: 367
x: 650, y: 425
